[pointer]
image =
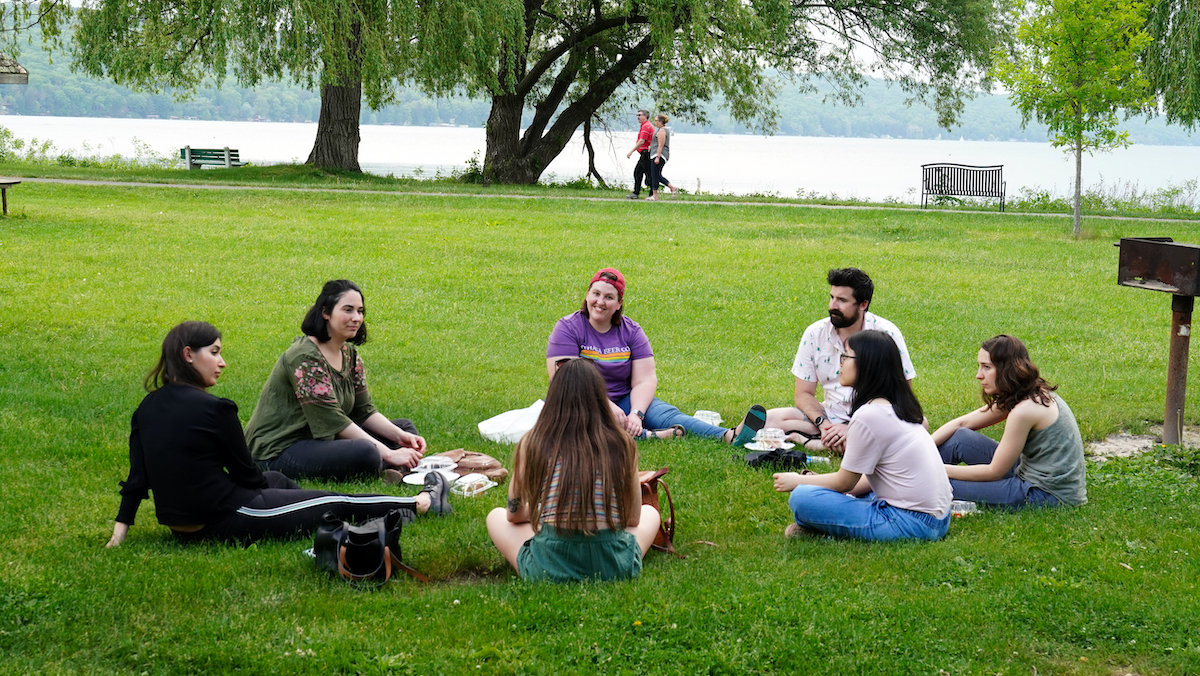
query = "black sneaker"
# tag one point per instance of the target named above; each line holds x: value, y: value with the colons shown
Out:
x: 633, y: 196
x: 438, y: 488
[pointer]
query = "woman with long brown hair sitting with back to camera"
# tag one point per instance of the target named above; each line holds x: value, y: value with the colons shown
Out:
x: 574, y: 503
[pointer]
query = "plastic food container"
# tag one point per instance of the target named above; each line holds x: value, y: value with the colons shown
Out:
x: 769, y: 438
x: 710, y: 417
x: 963, y: 508
x: 435, y: 463
x: 469, y: 485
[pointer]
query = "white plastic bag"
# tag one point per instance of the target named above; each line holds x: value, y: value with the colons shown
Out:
x: 510, y: 426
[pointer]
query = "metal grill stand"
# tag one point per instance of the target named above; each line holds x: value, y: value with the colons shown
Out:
x: 1161, y: 264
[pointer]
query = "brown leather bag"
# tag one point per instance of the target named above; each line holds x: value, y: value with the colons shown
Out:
x: 471, y: 461
x: 651, y: 482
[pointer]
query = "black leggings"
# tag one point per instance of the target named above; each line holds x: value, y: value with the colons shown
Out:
x: 334, y: 459
x: 656, y: 177
x: 285, y: 510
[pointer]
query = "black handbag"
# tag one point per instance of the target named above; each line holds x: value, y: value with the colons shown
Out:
x: 366, y: 555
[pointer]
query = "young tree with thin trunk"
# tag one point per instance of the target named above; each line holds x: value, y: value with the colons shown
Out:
x: 352, y: 49
x: 1074, y: 68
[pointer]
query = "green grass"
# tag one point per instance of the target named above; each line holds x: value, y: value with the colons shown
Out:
x: 461, y: 294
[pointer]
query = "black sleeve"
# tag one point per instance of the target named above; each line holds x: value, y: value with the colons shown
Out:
x: 236, y: 457
x: 135, y: 488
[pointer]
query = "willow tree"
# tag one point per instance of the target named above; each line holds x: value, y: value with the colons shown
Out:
x: 1075, y: 68
x: 354, y: 50
x: 1172, y: 58
x: 23, y: 18
x: 575, y: 60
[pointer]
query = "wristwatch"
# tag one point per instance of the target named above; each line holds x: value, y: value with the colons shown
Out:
x: 639, y: 414
x: 819, y: 421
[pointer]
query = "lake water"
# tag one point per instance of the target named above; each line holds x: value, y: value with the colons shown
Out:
x: 720, y: 163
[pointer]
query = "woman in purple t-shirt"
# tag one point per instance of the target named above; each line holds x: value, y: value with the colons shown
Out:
x: 600, y: 332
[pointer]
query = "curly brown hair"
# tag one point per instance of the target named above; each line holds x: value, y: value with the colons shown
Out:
x: 1017, y: 378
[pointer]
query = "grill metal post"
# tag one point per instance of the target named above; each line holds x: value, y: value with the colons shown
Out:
x: 1177, y: 362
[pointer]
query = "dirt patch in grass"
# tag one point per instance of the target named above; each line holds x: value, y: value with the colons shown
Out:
x: 1124, y: 445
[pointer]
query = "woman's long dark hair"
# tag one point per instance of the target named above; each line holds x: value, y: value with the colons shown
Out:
x: 1017, y: 379
x: 577, y: 432
x: 317, y: 326
x: 880, y: 374
x: 172, y: 368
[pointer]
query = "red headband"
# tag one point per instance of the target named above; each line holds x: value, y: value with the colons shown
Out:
x: 619, y: 284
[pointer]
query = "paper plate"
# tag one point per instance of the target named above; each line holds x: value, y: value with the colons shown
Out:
x: 417, y: 477
x: 755, y: 446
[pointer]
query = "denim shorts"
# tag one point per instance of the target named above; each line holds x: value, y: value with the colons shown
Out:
x: 571, y: 556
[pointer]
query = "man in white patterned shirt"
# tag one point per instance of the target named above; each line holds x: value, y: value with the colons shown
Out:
x: 818, y: 360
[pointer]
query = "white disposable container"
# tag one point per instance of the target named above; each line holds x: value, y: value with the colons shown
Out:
x: 769, y: 438
x: 963, y: 508
x: 710, y: 417
x: 469, y: 485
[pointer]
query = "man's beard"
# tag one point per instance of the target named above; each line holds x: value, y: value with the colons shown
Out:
x: 841, y: 321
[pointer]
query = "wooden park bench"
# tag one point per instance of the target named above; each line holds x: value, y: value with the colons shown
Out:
x: 216, y: 157
x: 961, y: 180
x: 5, y: 184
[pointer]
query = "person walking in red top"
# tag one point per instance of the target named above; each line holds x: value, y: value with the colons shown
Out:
x: 642, y: 147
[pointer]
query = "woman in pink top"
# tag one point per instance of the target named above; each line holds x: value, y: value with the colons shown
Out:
x: 897, y: 483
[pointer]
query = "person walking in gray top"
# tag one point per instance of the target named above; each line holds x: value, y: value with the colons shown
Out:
x: 1039, y: 459
x: 660, y: 152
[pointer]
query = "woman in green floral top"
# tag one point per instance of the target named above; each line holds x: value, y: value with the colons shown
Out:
x: 314, y: 418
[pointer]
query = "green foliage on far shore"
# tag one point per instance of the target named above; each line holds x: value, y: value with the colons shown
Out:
x: 461, y: 294
x: 55, y: 90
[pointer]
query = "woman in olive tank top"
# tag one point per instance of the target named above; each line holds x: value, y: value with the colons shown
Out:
x: 1039, y: 459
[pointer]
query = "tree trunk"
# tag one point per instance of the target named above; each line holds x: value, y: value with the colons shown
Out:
x: 336, y: 145
x: 591, y: 152
x: 507, y: 159
x: 1079, y: 177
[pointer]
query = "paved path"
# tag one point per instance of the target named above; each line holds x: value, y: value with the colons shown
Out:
x: 718, y: 203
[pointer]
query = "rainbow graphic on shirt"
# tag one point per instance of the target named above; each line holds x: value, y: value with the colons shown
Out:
x: 612, y: 355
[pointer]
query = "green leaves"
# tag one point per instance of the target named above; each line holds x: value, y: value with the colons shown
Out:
x: 1170, y: 58
x: 1076, y: 68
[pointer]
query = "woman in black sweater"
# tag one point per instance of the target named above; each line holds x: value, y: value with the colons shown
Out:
x: 187, y: 446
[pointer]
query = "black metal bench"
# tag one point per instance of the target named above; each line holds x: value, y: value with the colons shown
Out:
x: 961, y: 180
x: 215, y: 157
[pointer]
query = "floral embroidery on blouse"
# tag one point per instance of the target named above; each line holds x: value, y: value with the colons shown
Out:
x: 313, y: 385
x: 359, y: 377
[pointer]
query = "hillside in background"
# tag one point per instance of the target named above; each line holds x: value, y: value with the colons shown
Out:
x: 54, y: 90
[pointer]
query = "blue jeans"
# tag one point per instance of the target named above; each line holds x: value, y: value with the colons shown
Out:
x: 660, y: 415
x: 865, y: 518
x: 1009, y: 492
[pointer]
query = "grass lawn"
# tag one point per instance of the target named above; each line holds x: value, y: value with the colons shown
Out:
x: 461, y: 295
